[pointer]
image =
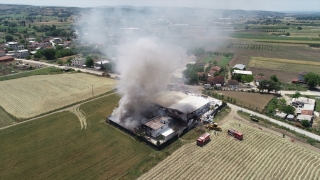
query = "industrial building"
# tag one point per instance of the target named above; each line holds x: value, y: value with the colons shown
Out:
x: 173, y: 113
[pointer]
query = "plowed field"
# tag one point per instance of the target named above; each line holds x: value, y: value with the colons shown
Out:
x: 260, y: 155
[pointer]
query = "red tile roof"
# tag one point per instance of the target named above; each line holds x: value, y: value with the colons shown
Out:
x: 307, y: 112
x: 6, y: 58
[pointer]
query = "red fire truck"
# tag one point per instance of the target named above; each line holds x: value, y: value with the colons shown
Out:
x: 203, y: 139
x: 235, y: 133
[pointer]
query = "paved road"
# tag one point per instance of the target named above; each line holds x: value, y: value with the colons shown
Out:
x: 301, y: 131
x: 308, y: 92
x: 62, y: 67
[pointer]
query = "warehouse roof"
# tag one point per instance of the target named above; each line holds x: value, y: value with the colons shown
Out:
x: 189, y: 104
x: 167, y: 98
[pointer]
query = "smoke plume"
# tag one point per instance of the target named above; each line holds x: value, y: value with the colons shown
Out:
x: 145, y: 66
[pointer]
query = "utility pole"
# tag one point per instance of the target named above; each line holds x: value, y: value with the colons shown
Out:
x: 92, y: 90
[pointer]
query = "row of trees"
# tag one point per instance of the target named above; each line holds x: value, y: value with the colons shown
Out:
x: 312, y: 79
x: 50, y: 54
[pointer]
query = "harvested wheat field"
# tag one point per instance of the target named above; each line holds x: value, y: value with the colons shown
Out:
x: 260, y: 155
x: 31, y: 96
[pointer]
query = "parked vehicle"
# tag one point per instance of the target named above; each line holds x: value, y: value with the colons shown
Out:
x: 203, y: 139
x: 236, y: 134
x: 253, y: 118
x: 213, y: 126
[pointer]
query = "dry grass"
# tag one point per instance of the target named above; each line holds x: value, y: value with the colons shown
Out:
x: 261, y: 155
x: 284, y: 64
x: 249, y: 99
x: 285, y: 61
x: 31, y: 96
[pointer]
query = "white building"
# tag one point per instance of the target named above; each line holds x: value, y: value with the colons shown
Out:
x: 78, y: 62
x: 242, y: 72
x: 157, y: 126
x: 22, y: 53
x: 14, y: 45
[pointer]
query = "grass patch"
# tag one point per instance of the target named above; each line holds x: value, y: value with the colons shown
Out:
x: 43, y: 71
x: 5, y: 118
x: 54, y: 147
x: 284, y: 64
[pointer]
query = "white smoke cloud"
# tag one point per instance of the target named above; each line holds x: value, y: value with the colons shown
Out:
x: 145, y: 65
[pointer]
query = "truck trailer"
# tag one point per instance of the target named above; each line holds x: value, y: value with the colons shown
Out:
x: 203, y: 139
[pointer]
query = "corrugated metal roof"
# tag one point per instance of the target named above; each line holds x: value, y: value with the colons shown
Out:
x: 189, y: 104
x: 167, y: 98
x: 154, y: 123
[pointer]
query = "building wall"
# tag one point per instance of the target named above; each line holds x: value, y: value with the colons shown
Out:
x: 77, y: 62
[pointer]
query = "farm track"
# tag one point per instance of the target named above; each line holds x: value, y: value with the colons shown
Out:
x: 81, y: 116
x: 270, y: 157
x: 61, y: 110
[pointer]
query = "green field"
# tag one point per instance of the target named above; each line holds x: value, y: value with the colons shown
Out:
x: 43, y: 71
x: 54, y: 147
x: 221, y: 60
x: 5, y: 118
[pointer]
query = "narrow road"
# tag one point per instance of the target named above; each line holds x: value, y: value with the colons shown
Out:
x: 308, y: 92
x: 301, y: 131
x: 64, y: 109
x: 62, y: 67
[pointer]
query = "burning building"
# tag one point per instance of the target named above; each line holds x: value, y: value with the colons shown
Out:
x: 168, y: 114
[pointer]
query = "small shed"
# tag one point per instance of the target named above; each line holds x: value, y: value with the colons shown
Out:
x: 281, y: 115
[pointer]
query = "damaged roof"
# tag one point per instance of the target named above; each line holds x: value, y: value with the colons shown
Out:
x: 189, y: 104
x: 154, y: 123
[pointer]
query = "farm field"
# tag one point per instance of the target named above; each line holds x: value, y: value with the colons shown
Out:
x: 31, y: 96
x: 5, y: 118
x: 248, y: 99
x: 239, y: 60
x: 221, y: 60
x: 283, y: 76
x: 284, y: 64
x: 255, y: 47
x: 261, y: 155
x: 55, y: 147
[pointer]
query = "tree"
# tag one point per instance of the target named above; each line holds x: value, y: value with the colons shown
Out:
x: 288, y: 109
x: 274, y: 78
x: 312, y: 79
x: 89, y: 61
x: 49, y: 54
x: 69, y: 60
x: 247, y: 78
x: 60, y: 62
x: 9, y: 38
x: 296, y: 95
x: 299, y: 28
x: 305, y: 123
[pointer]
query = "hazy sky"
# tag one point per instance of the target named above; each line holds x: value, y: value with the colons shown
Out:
x: 270, y: 5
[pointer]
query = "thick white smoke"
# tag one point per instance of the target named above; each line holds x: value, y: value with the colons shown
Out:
x: 145, y: 66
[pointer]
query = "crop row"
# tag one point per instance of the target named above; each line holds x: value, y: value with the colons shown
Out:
x: 259, y: 156
x: 254, y: 47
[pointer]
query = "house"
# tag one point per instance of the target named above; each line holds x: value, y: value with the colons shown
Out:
x: 300, y: 78
x: 233, y: 84
x: 301, y: 101
x: 57, y: 40
x: 242, y: 72
x: 281, y: 115
x: 214, y: 69
x: 78, y: 62
x: 305, y: 117
x: 215, y: 80
x: 156, y: 126
x: 257, y: 79
x: 6, y: 58
x: 239, y: 66
x: 14, y: 45
x: 22, y: 53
